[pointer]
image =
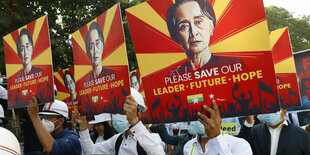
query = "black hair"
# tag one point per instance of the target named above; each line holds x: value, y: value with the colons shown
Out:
x: 24, y: 31
x: 64, y: 77
x: 108, y: 131
x: 136, y: 75
x: 206, y: 9
x: 93, y: 26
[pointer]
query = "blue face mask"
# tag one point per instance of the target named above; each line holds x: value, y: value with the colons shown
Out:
x: 120, y: 123
x: 270, y: 119
x: 196, y: 128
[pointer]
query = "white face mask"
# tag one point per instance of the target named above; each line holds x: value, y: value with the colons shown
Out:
x: 1, y: 80
x: 49, y: 125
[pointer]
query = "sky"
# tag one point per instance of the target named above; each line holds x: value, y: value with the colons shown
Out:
x: 298, y: 7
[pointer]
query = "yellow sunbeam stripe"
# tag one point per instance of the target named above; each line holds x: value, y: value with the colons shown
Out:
x: 108, y: 21
x: 143, y: 94
x: 117, y: 57
x: 149, y: 62
x: 60, y: 79
x: 275, y: 35
x: 44, y: 58
x: 25, y: 26
x: 9, y: 39
x: 12, y: 69
x: 88, y: 24
x: 79, y: 39
x: 149, y: 16
x: 286, y: 66
x: 62, y: 95
x: 38, y: 28
x: 255, y: 38
x: 219, y: 7
x: 81, y: 70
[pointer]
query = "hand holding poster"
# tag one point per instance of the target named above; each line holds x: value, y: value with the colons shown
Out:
x: 190, y: 52
x: 66, y: 88
x: 285, y: 68
x: 29, y: 64
x: 101, y: 65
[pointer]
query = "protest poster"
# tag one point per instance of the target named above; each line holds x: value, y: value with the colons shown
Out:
x: 302, y: 62
x: 284, y: 65
x: 101, y: 67
x: 185, y: 62
x: 66, y: 89
x: 136, y: 82
x: 28, y: 62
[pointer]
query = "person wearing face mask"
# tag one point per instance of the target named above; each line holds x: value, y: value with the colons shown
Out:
x: 209, y: 139
x: 51, y: 131
x: 103, y: 129
x: 132, y: 139
x: 275, y: 135
x: 3, y: 91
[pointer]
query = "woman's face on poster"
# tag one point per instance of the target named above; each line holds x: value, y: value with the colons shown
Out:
x: 194, y: 28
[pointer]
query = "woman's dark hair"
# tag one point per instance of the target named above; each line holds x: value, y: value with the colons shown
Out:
x: 171, y: 17
x: 108, y: 131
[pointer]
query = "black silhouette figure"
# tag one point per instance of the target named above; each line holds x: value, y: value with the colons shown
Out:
x: 175, y: 110
x: 114, y: 100
x: 242, y: 101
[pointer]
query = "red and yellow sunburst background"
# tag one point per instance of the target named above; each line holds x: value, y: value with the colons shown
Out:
x: 241, y: 31
x: 41, y: 58
x: 114, y: 57
x: 284, y: 65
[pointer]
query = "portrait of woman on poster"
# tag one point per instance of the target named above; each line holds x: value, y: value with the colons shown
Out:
x: 191, y: 23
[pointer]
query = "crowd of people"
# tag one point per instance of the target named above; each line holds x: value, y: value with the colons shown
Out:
x: 53, y: 132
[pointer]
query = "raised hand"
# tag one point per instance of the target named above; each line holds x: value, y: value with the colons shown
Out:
x: 211, y: 124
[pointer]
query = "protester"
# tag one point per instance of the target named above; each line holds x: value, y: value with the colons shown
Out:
x: 210, y: 140
x: 275, y: 135
x: 3, y: 121
x: 103, y: 129
x: 133, y: 137
x: 9, y: 144
x: 51, y: 131
x: 177, y: 140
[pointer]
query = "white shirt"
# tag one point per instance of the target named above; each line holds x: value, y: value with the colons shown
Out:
x: 99, y: 138
x: 3, y: 93
x: 274, y: 136
x: 147, y: 141
x: 220, y: 145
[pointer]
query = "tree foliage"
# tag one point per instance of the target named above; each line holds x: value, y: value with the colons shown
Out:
x: 299, y: 28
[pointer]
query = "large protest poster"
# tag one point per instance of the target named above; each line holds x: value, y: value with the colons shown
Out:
x: 192, y: 52
x: 284, y: 65
x: 101, y: 67
x: 28, y: 62
x: 66, y: 88
x: 302, y: 61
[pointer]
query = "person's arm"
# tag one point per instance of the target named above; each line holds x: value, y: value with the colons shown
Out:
x: 150, y: 144
x: 165, y: 136
x: 3, y: 93
x: 245, y: 131
x: 106, y: 147
x: 44, y: 136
